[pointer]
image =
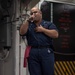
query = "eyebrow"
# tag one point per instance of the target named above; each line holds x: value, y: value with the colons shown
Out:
x: 33, y: 12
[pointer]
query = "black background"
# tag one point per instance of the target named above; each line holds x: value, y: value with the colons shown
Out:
x: 64, y: 19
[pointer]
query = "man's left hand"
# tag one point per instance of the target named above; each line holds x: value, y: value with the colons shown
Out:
x: 39, y: 29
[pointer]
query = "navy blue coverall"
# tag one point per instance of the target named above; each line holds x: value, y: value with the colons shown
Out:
x: 41, y: 56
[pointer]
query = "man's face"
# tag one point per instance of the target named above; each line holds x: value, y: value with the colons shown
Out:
x: 36, y: 14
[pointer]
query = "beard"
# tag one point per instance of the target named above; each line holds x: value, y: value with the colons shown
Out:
x: 36, y: 21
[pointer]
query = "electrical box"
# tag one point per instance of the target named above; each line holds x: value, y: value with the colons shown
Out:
x: 5, y: 33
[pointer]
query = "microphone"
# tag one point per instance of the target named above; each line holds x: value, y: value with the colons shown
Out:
x: 31, y: 18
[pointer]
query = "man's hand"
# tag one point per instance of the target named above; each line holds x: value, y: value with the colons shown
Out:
x: 31, y: 18
x: 39, y: 29
x: 51, y: 33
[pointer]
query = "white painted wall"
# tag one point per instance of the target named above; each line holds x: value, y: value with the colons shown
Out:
x: 66, y: 1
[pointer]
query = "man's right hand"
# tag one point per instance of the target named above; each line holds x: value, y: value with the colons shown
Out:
x: 31, y: 18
